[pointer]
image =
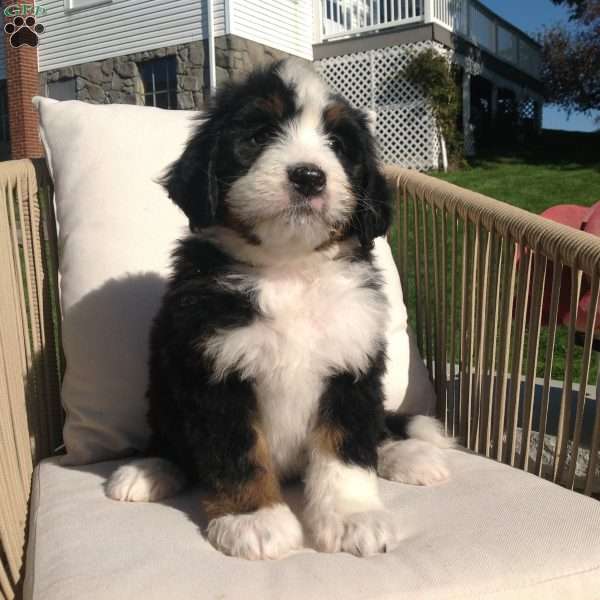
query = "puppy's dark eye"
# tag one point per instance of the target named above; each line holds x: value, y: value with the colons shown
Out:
x: 336, y: 144
x: 260, y: 138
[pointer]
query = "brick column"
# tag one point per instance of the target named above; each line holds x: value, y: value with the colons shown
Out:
x: 22, y: 81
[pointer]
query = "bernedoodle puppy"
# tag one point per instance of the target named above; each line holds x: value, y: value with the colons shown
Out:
x: 267, y: 354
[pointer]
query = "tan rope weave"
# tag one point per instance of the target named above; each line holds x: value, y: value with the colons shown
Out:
x: 575, y: 248
x: 477, y: 274
x: 30, y: 413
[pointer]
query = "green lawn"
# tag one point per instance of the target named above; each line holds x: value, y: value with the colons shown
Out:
x: 559, y: 168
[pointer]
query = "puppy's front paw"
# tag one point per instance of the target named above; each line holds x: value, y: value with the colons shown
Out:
x: 370, y: 533
x: 412, y: 461
x: 362, y: 533
x: 267, y: 533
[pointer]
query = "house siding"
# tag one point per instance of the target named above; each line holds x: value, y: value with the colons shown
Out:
x: 119, y: 28
x: 118, y: 79
x: 285, y: 25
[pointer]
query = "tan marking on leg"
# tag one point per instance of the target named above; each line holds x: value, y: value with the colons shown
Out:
x: 328, y: 439
x: 261, y: 491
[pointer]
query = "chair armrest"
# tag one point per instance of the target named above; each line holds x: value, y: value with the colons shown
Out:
x: 494, y: 293
x: 30, y: 411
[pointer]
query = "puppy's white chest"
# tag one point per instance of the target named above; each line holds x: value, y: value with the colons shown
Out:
x: 313, y: 324
x: 310, y: 325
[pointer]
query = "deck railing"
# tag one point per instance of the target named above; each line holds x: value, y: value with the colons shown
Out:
x: 348, y: 17
x: 468, y: 18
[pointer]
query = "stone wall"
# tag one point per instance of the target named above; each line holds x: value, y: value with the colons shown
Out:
x: 117, y: 80
x: 236, y: 56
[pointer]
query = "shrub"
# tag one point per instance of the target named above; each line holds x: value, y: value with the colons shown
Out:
x: 436, y: 77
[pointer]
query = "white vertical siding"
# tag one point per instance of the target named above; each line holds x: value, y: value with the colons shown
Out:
x: 120, y: 27
x: 286, y: 25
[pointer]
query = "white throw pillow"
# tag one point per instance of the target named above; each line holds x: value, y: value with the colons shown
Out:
x: 116, y: 231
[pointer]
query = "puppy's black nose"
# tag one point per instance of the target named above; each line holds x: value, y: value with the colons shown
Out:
x: 307, y: 179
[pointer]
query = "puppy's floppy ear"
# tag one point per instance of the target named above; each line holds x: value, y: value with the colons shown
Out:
x: 371, y: 117
x: 191, y: 181
x: 372, y: 215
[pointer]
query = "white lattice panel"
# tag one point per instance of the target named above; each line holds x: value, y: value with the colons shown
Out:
x: 373, y: 80
x: 406, y: 138
x: 527, y: 109
x: 350, y: 75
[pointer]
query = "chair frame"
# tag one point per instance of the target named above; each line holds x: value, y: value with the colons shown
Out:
x: 474, y: 271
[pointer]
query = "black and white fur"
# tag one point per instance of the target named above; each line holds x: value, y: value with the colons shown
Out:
x: 272, y: 327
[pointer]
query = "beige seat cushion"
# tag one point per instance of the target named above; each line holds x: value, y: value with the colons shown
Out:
x: 492, y: 532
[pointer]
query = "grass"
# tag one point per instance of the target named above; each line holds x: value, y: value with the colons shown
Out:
x: 557, y: 168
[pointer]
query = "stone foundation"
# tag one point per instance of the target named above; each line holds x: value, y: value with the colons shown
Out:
x: 236, y: 57
x: 117, y: 80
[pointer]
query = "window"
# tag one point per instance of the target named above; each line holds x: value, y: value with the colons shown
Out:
x: 77, y: 4
x: 159, y: 78
x: 62, y: 90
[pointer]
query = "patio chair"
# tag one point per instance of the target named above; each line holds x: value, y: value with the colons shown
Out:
x: 475, y: 274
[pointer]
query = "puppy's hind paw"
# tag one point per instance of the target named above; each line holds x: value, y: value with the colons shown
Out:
x: 429, y: 430
x: 412, y: 461
x: 145, y: 480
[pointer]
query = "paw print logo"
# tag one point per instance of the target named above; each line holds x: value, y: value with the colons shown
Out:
x: 24, y: 32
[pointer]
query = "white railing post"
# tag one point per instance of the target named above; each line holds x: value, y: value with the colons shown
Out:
x: 212, y: 62
x: 229, y: 24
x: 495, y: 37
x: 468, y: 18
x: 539, y: 121
x: 466, y: 107
x: 428, y: 11
x: 494, y: 107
